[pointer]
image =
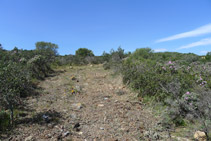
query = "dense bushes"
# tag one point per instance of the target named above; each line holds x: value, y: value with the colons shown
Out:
x: 179, y: 81
x: 84, y: 52
x: 113, y: 60
x: 14, y: 84
x: 156, y: 79
x: 83, y: 56
x: 77, y: 60
x: 38, y: 67
x: 17, y: 70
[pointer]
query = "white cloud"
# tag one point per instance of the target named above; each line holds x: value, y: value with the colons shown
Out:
x: 196, y: 32
x: 160, y: 50
x: 204, y: 52
x: 202, y: 42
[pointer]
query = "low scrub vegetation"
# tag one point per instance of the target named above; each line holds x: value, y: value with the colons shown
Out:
x: 18, y: 69
x: 181, y: 82
x: 83, y: 56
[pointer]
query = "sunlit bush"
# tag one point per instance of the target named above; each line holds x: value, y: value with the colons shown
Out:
x: 182, y: 85
x: 38, y: 67
x: 15, y: 83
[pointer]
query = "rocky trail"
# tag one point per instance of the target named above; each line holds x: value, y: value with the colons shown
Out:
x: 85, y: 103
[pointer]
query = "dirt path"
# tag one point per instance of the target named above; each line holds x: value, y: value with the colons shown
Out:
x: 101, y: 109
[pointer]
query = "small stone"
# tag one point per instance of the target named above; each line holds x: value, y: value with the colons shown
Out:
x: 80, y: 133
x: 100, y: 105
x: 105, y: 98
x: 73, y: 78
x: 101, y: 128
x: 29, y: 138
x: 78, y: 88
x: 49, y: 135
x: 73, y: 116
x: 156, y: 136
x: 146, y: 133
x: 65, y: 134
x: 77, y: 105
x: 76, y: 125
x: 200, y: 136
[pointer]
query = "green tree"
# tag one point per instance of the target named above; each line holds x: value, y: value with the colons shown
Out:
x: 1, y: 47
x: 208, y: 56
x: 84, y: 52
x: 106, y: 56
x: 14, y: 84
x: 47, y: 49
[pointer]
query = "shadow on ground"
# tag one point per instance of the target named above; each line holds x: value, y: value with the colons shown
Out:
x: 42, y: 118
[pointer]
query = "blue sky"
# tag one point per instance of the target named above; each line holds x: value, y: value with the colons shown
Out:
x: 100, y: 25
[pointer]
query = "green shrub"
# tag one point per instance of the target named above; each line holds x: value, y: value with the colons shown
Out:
x: 38, y: 67
x: 14, y: 84
x: 4, y: 120
x: 84, y: 52
x: 182, y: 85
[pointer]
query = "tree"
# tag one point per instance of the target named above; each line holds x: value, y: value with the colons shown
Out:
x: 208, y: 56
x: 121, y: 53
x: 14, y: 84
x: 47, y: 49
x: 84, y: 52
x: 106, y: 56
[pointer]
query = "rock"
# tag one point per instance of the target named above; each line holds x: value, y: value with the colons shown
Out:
x: 200, y: 136
x: 78, y: 88
x: 65, y: 134
x: 59, y: 137
x: 146, y: 133
x: 76, y: 125
x: 49, y: 135
x: 47, y: 118
x: 152, y: 135
x: 73, y: 116
x: 71, y: 67
x: 156, y: 136
x: 80, y: 133
x: 73, y: 78
x: 101, y: 128
x: 100, y: 105
x: 29, y: 138
x: 77, y: 106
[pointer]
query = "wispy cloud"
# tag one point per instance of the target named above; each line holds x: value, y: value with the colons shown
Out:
x: 203, y: 52
x: 202, y: 42
x: 196, y: 32
x: 160, y: 50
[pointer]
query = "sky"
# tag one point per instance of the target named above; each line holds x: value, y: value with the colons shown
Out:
x: 101, y: 25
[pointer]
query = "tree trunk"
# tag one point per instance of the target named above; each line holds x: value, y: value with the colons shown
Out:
x: 12, y: 115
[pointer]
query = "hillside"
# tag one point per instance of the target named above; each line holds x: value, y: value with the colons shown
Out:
x: 101, y: 108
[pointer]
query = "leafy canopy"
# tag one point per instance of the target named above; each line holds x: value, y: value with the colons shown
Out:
x: 47, y: 48
x: 84, y: 52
